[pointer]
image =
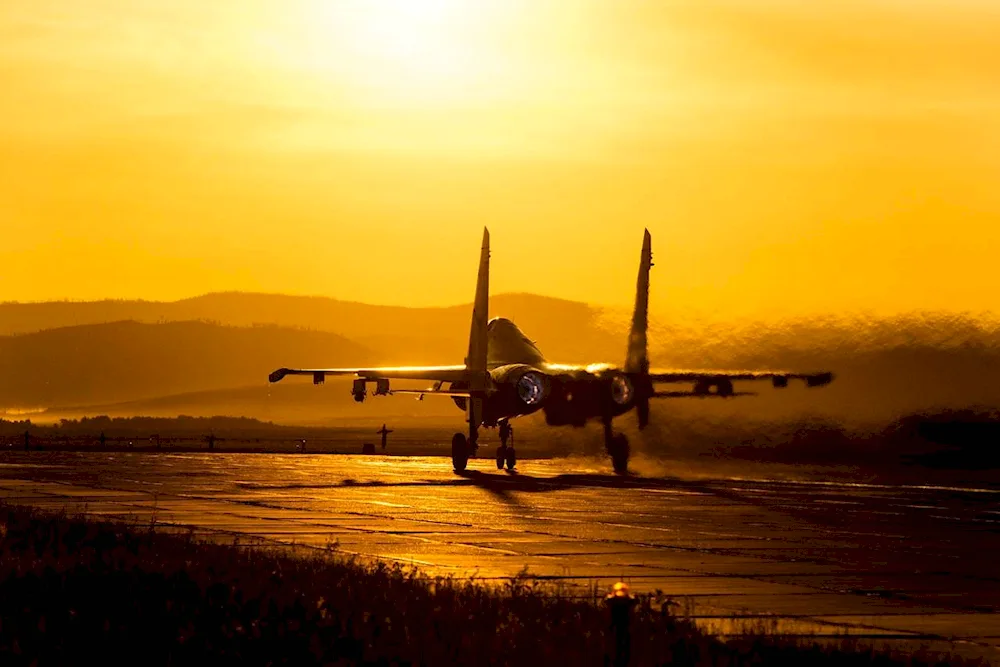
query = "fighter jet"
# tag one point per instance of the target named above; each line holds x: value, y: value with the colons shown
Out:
x: 506, y: 376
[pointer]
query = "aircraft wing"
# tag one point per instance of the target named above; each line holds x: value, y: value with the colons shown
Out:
x: 777, y: 377
x: 433, y: 373
x: 780, y: 378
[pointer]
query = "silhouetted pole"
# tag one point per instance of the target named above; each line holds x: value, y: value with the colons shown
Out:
x: 384, y: 432
x: 103, y: 439
x: 620, y: 604
x: 27, y: 441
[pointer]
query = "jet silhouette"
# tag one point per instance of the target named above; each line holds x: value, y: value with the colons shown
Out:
x: 506, y: 376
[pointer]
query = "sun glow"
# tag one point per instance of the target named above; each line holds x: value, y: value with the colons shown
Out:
x: 409, y: 51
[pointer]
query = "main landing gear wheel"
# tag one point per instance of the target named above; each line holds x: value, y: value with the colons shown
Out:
x: 619, y: 450
x: 459, y: 452
x: 511, y: 458
x: 506, y: 455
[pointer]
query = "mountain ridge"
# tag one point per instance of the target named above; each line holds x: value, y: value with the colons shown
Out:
x: 236, y: 308
x: 127, y: 360
x: 883, y: 366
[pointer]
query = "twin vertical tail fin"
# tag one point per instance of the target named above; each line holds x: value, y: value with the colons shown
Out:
x: 637, y: 356
x: 475, y: 361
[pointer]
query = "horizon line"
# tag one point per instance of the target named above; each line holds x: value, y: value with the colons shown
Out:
x: 982, y: 314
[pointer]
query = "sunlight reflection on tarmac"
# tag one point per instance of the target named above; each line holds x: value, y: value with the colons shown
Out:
x: 874, y: 559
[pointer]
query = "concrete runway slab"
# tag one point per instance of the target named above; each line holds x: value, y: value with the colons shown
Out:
x: 913, y: 561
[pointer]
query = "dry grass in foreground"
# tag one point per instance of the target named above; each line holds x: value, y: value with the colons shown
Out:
x: 81, y: 591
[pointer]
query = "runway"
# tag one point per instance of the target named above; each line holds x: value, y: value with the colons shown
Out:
x: 899, y: 561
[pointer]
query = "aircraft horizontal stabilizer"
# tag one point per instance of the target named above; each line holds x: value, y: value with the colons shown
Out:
x: 432, y: 392
x: 818, y: 379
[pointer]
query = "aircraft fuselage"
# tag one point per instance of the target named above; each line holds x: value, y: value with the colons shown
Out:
x: 522, y: 382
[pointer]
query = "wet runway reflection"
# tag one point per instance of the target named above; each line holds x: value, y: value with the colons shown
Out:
x: 874, y: 558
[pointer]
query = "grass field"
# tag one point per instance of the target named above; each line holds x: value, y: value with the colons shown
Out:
x: 83, y: 591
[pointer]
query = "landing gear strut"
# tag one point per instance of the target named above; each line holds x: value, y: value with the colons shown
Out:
x: 506, y: 454
x: 618, y: 449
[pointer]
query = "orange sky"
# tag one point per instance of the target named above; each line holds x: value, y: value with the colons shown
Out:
x: 792, y: 157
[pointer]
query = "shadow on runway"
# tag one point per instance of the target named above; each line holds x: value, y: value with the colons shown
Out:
x: 502, y: 484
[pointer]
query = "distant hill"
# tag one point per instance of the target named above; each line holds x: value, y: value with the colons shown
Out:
x: 125, y: 361
x: 566, y: 330
x: 295, y: 401
x: 885, y: 367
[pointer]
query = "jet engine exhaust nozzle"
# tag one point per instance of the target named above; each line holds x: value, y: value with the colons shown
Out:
x: 622, y: 391
x: 531, y: 388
